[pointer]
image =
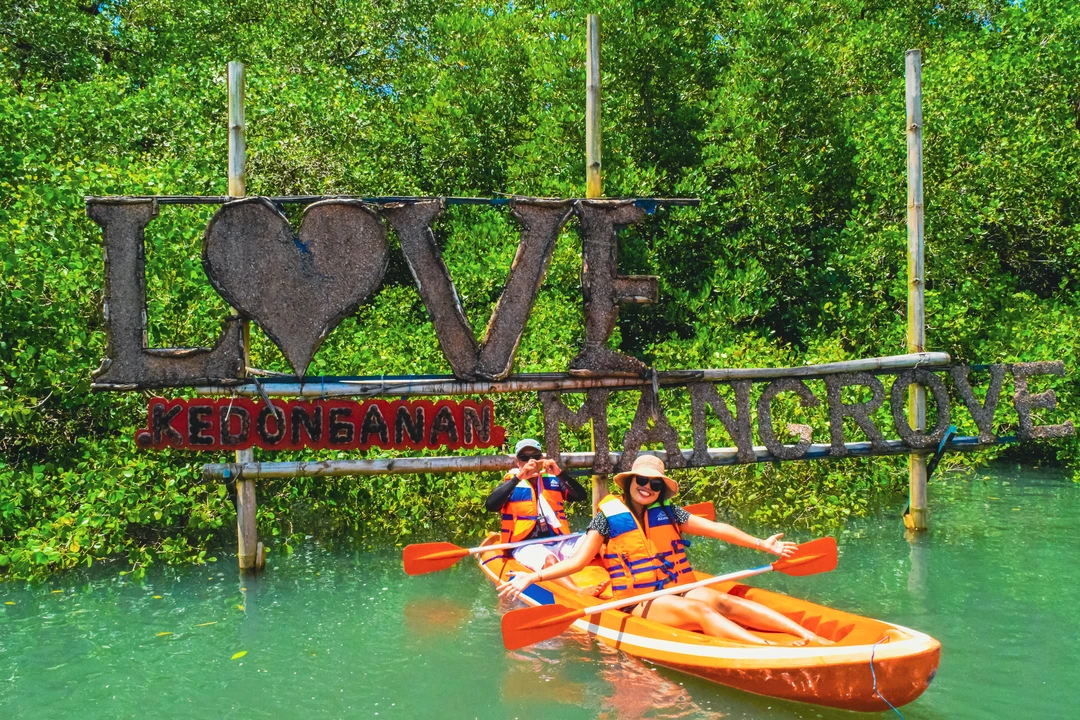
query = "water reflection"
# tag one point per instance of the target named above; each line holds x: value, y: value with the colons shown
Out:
x: 918, y: 556
x: 428, y: 616
x: 630, y: 689
x: 639, y: 691
x: 532, y: 679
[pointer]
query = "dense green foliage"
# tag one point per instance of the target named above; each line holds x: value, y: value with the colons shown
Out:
x: 786, y: 118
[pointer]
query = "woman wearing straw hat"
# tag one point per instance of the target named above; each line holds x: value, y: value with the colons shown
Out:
x: 640, y: 540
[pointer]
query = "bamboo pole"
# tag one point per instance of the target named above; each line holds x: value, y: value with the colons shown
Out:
x: 499, y: 463
x: 594, y: 187
x: 916, y: 335
x: 563, y: 382
x: 247, y: 535
x: 594, y: 180
x: 237, y: 131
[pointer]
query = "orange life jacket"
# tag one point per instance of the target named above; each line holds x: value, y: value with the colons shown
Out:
x: 521, y: 512
x: 642, y: 560
x: 669, y: 541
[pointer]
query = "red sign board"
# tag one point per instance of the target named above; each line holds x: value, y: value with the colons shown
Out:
x: 241, y: 423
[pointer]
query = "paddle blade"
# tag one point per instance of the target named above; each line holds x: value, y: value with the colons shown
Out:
x: 704, y: 510
x: 531, y: 625
x: 430, y: 557
x: 816, y: 556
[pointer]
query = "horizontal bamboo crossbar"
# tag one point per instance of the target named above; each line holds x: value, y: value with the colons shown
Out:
x: 647, y: 203
x: 499, y: 463
x: 315, y: 387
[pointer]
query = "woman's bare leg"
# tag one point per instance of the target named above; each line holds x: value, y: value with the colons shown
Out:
x: 692, y: 614
x: 754, y: 614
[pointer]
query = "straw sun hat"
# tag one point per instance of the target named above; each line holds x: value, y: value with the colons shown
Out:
x: 647, y: 466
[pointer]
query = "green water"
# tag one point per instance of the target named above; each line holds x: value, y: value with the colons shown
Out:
x: 341, y: 634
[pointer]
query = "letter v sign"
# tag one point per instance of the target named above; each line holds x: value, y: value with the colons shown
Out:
x: 541, y: 221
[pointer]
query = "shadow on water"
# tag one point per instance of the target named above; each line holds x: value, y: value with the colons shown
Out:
x: 334, y: 632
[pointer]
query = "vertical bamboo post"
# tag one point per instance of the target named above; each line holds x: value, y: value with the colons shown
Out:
x: 246, y: 530
x: 916, y: 335
x: 594, y: 187
x: 237, y: 130
x: 594, y: 182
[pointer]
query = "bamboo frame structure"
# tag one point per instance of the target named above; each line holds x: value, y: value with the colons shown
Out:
x: 246, y: 471
x: 916, y: 306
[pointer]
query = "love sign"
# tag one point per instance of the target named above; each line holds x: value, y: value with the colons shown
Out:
x: 298, y: 284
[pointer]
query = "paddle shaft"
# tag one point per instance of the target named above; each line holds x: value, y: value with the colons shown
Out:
x: 699, y: 509
x: 431, y: 557
x: 531, y: 625
x: 616, y: 604
x: 791, y: 565
x: 520, y: 543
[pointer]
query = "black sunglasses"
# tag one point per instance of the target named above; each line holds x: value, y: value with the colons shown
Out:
x: 655, y: 484
x: 526, y: 457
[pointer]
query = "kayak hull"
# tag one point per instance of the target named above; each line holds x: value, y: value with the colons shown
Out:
x: 841, y: 685
x: 904, y: 660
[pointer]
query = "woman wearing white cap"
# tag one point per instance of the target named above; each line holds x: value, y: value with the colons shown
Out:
x: 640, y: 539
x: 531, y: 500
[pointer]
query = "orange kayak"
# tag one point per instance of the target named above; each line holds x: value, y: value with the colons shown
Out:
x: 904, y: 660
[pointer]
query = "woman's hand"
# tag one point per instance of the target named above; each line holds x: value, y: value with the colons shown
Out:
x: 776, y: 546
x: 515, y: 586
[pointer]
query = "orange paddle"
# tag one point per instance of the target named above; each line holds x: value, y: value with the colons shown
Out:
x: 430, y: 557
x: 534, y: 624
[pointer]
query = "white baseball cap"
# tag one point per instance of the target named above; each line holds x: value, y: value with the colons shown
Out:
x: 527, y: 443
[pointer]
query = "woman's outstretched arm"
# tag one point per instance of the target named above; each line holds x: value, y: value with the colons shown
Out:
x: 586, y: 551
x: 722, y: 531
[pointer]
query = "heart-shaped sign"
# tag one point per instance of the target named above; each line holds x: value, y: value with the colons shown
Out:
x: 296, y: 287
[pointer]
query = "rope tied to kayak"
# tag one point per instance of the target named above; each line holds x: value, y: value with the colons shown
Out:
x: 874, y: 675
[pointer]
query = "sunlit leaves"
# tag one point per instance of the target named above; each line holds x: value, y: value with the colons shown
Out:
x: 786, y: 118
